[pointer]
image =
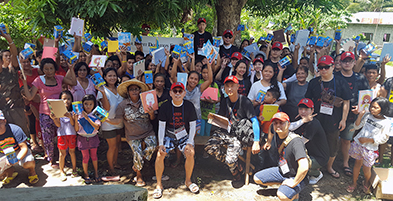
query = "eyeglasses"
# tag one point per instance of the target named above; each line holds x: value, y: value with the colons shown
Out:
x: 346, y: 62
x: 134, y: 89
x: 323, y: 67
x: 228, y: 36
x: 177, y: 91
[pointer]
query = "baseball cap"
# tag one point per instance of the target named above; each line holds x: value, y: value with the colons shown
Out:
x: 280, y: 116
x: 144, y: 26
x: 231, y: 78
x: 201, y: 20
x: 326, y: 59
x: 277, y: 44
x: 258, y: 60
x: 237, y: 55
x: 227, y: 32
x: 307, y: 102
x: 1, y: 115
x: 347, y: 55
x: 177, y: 84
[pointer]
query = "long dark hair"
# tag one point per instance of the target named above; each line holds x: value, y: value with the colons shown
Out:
x: 89, y: 97
x: 383, y: 103
x: 70, y: 94
x: 273, y: 81
x: 46, y: 61
x: 237, y: 65
x: 79, y: 65
x: 106, y: 71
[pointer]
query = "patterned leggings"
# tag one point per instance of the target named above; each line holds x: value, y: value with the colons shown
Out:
x: 48, y: 130
x: 216, y: 147
x: 139, y: 154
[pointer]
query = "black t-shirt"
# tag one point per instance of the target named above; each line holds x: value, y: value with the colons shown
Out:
x: 317, y: 145
x: 165, y: 97
x: 242, y: 108
x: 227, y: 52
x: 200, y: 39
x: 294, y: 151
x: 388, y: 86
x: 244, y: 86
x: 177, y: 117
x: 288, y: 72
x: 340, y: 88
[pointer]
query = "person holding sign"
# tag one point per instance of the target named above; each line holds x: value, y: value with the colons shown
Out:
x: 331, y: 96
x: 138, y: 128
x: 201, y: 36
x: 49, y: 86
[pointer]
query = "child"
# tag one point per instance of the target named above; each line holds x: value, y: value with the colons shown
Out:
x: 271, y: 97
x: 66, y: 135
x: 87, y: 127
x: 364, y: 148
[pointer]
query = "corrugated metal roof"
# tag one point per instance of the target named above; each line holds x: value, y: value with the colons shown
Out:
x: 372, y: 18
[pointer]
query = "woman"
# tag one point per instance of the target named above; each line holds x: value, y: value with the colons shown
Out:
x: 244, y: 80
x: 256, y: 74
x: 244, y: 44
x: 138, y: 128
x: 269, y: 80
x: 84, y: 85
x: 109, y: 99
x: 162, y: 96
x: 49, y: 86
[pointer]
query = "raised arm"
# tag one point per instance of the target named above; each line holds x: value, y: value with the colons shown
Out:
x: 77, y: 43
x: 173, y: 77
x: 13, y: 50
x: 381, y: 78
x: 207, y: 83
x: 295, y: 63
x: 70, y: 78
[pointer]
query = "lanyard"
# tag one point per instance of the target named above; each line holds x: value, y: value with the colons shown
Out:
x: 173, y: 113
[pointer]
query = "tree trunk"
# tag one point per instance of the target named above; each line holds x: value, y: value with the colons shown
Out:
x: 228, y: 16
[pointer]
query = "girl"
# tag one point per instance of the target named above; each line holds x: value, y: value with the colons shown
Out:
x: 256, y: 74
x: 87, y: 127
x: 84, y: 85
x: 207, y: 105
x: 244, y: 80
x: 66, y: 135
x: 364, y: 148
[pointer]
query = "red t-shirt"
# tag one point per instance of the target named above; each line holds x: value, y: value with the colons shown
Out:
x: 29, y: 79
x: 61, y: 72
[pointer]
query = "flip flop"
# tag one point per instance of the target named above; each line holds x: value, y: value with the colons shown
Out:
x: 350, y: 189
x: 74, y: 174
x: 334, y: 174
x: 157, y: 193
x: 348, y: 171
x: 7, y: 180
x: 163, y: 178
x: 88, y: 180
x: 366, y: 189
x: 193, y: 188
x: 139, y: 183
x: 98, y: 179
x: 33, y: 179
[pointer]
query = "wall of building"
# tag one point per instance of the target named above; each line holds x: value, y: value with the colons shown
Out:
x: 356, y: 29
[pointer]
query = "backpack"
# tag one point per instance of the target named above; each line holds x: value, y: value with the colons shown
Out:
x: 287, y: 140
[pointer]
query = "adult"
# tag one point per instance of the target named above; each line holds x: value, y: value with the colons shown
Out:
x: 12, y: 137
x: 269, y: 80
x: 49, y: 86
x: 201, y: 36
x: 84, y: 85
x: 6, y: 58
x: 275, y: 57
x: 227, y: 49
x: 256, y: 73
x: 331, y: 95
x: 227, y: 66
x: 241, y: 71
x: 176, y: 129
x: 244, y: 44
x: 138, y: 128
x: 293, y: 165
x: 110, y: 98
x: 239, y: 111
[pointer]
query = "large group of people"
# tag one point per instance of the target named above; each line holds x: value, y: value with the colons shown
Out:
x: 317, y: 97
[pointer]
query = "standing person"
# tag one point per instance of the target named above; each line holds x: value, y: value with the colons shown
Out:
x: 293, y: 165
x: 87, y: 127
x: 331, y: 96
x: 356, y: 82
x: 66, y: 135
x: 227, y: 66
x: 201, y: 36
x: 49, y: 86
x: 375, y: 131
x: 109, y: 99
x: 373, y: 72
x: 241, y: 71
x: 275, y: 57
x: 227, y: 49
x: 138, y: 128
x: 239, y: 110
x: 84, y: 85
x: 176, y: 129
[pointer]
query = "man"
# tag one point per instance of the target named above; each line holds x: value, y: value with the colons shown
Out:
x: 12, y: 137
x: 227, y: 49
x: 177, y: 126
x: 145, y: 29
x: 275, y: 57
x: 331, y: 95
x: 237, y: 109
x: 201, y: 36
x: 356, y: 82
x: 293, y: 165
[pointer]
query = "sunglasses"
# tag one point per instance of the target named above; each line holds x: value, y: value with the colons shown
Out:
x: 324, y: 67
x: 228, y: 36
x: 179, y: 91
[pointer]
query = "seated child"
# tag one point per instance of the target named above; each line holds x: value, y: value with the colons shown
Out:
x: 271, y: 97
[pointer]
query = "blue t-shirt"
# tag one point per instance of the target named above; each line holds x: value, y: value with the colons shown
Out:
x: 12, y: 137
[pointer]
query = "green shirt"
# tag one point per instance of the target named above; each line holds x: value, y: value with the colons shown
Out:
x: 207, y: 107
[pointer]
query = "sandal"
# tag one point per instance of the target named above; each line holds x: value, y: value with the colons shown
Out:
x: 139, y: 183
x: 237, y: 176
x: 34, y: 179
x: 350, y: 189
x: 98, y: 179
x: 348, y: 171
x: 88, y: 180
x: 7, y: 180
x: 74, y: 174
x: 366, y: 189
x: 334, y: 174
x: 157, y: 193
x: 193, y: 188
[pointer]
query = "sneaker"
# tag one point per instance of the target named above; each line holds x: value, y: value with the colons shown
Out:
x: 314, y: 180
x: 63, y: 177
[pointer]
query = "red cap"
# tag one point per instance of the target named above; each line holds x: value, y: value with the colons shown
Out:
x: 177, y: 84
x: 307, y: 102
x: 347, y: 55
x: 258, y: 59
x: 201, y: 20
x: 232, y: 79
x: 237, y: 55
x: 282, y: 116
x: 227, y: 32
x: 144, y: 26
x: 277, y: 45
x: 326, y: 59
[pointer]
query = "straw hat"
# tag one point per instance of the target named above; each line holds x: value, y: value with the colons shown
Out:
x: 122, y: 89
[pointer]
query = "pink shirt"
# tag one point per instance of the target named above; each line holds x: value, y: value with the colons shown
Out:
x: 47, y: 92
x: 78, y: 92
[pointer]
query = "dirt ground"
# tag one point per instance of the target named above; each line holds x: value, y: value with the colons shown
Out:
x: 213, y: 178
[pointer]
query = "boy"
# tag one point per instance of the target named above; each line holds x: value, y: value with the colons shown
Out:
x: 201, y: 36
x: 271, y: 97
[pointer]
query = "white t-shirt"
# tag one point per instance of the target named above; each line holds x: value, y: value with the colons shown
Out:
x: 114, y: 100
x: 252, y: 95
